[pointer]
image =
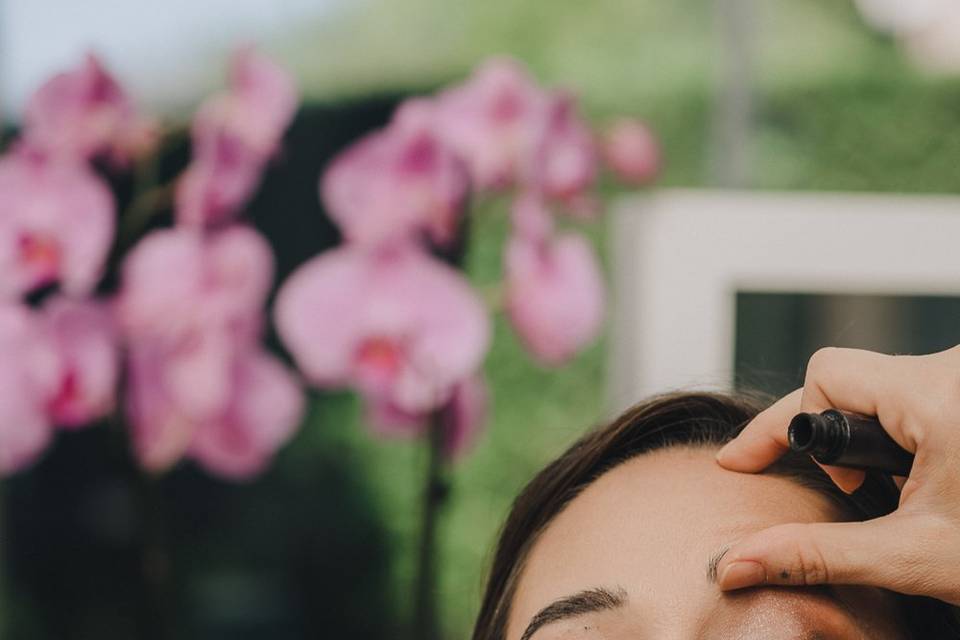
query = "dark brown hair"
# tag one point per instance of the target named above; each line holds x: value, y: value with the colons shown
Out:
x: 681, y: 419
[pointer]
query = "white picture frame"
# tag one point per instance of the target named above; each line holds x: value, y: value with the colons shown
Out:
x: 679, y: 258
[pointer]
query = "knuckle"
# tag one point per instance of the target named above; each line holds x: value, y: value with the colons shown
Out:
x: 813, y: 566
x: 822, y: 358
x: 822, y: 361
x: 932, y: 412
x: 803, y: 563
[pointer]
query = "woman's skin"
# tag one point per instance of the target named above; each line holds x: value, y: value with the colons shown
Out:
x: 630, y: 559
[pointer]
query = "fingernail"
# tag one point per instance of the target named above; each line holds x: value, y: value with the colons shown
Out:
x: 724, y: 452
x: 742, y: 573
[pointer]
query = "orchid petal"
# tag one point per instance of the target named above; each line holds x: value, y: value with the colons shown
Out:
x: 266, y: 407
x: 334, y: 304
x: 555, y: 295
x: 85, y: 338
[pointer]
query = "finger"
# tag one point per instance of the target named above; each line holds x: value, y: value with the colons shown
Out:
x: 886, y: 552
x: 859, y: 381
x: 764, y: 439
x: 848, y: 480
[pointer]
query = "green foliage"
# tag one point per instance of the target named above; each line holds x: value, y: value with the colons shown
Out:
x: 884, y: 133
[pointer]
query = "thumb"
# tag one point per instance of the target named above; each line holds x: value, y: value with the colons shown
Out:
x: 883, y: 552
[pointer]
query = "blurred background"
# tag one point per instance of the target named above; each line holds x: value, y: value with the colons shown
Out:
x: 797, y: 95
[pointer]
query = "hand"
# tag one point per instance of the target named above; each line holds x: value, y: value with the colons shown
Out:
x: 915, y: 549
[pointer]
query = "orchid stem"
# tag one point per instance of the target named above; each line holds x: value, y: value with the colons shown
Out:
x: 155, y: 562
x: 5, y: 587
x: 149, y: 195
x: 494, y: 296
x: 144, y: 206
x: 436, y: 492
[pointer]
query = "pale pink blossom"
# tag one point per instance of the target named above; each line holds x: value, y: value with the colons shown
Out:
x: 394, y: 324
x: 177, y: 282
x: 387, y: 420
x: 236, y: 438
x: 495, y: 121
x: 530, y: 219
x: 461, y: 417
x: 265, y: 408
x: 217, y: 184
x: 82, y: 334
x: 191, y: 308
x: 464, y: 416
x: 631, y: 150
x: 398, y: 182
x: 188, y: 302
x: 565, y: 165
x: 555, y: 295
x: 513, y: 133
x: 268, y: 92
x: 256, y: 109
x: 28, y: 379
x: 58, y: 366
x: 85, y: 113
x: 163, y: 422
x: 56, y: 224
x: 234, y: 135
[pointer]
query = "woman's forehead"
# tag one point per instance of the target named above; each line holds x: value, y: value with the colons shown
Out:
x: 651, y: 526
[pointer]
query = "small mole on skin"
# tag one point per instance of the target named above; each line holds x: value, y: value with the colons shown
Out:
x: 784, y: 574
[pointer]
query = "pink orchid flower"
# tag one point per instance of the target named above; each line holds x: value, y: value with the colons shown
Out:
x: 256, y: 109
x: 632, y: 152
x: 398, y: 182
x: 85, y: 113
x: 266, y: 406
x: 59, y: 366
x: 83, y: 336
x: 555, y: 291
x: 234, y: 135
x: 234, y: 438
x: 530, y: 219
x: 392, y: 323
x: 217, y: 184
x: 28, y: 379
x: 495, y: 121
x: 190, y: 308
x: 462, y: 417
x: 565, y: 165
x: 171, y: 389
x: 178, y: 282
x: 56, y: 224
x: 192, y: 300
x: 268, y: 92
x: 389, y: 421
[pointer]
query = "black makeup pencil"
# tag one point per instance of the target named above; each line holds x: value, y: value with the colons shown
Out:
x: 847, y: 440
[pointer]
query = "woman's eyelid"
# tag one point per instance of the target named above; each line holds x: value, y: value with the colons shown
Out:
x: 778, y: 614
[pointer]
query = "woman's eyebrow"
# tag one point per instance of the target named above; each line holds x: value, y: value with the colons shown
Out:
x: 582, y: 603
x: 714, y: 562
